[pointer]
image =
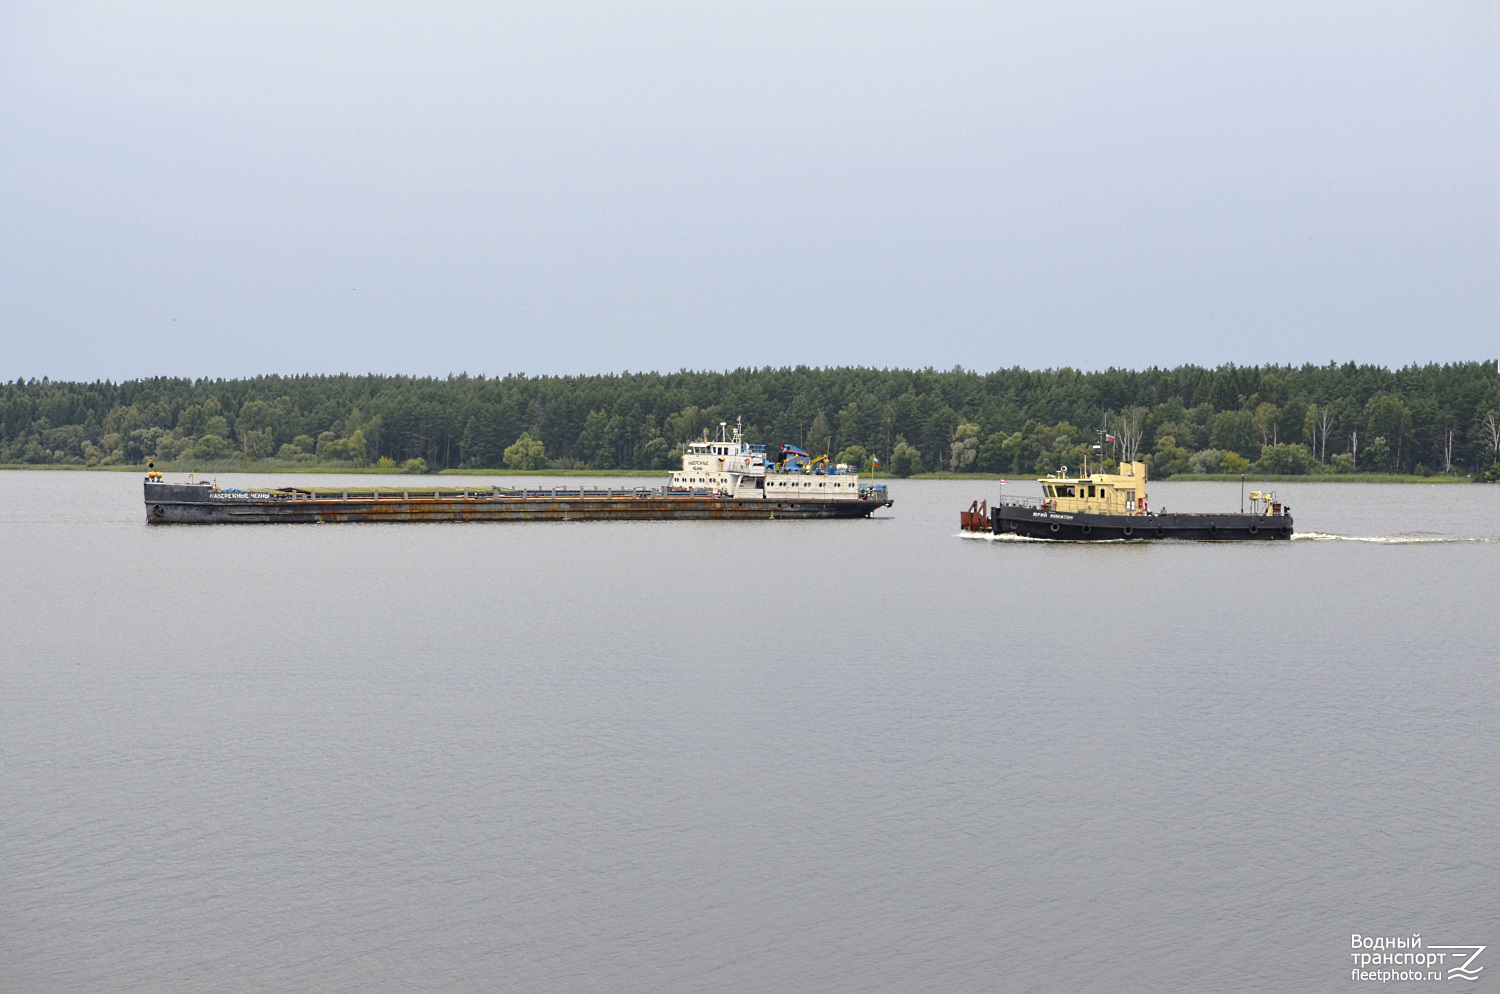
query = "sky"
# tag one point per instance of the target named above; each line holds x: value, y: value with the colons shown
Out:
x: 230, y: 189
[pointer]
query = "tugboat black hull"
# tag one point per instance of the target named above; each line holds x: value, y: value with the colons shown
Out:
x: 1032, y: 522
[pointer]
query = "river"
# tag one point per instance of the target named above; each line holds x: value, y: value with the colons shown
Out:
x: 742, y: 756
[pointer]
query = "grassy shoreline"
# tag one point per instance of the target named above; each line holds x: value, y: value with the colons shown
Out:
x: 1200, y: 477
x: 304, y: 469
x: 1224, y: 478
x: 1326, y: 478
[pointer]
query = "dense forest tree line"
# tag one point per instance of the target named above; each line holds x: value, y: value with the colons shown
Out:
x: 1279, y: 419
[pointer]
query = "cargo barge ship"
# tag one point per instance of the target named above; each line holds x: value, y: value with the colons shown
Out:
x: 1113, y: 507
x: 720, y: 479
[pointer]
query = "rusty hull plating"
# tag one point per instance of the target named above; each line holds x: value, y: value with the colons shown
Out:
x: 202, y: 503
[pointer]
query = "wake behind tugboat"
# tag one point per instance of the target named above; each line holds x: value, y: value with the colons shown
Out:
x: 1113, y: 507
x: 723, y: 479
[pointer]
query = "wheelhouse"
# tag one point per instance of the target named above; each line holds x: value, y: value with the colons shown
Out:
x: 1097, y: 493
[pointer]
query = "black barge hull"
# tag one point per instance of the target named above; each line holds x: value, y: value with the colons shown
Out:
x: 1032, y: 522
x: 175, y: 504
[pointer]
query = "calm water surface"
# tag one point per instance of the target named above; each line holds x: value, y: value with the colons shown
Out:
x: 757, y: 756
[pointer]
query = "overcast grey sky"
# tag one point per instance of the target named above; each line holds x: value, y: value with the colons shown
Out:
x: 225, y: 189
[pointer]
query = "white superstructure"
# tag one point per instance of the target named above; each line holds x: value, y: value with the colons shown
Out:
x: 836, y: 484
x: 728, y: 466
x: 734, y: 468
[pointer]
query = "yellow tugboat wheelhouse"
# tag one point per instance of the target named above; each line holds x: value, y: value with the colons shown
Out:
x: 1098, y: 493
x: 1114, y: 506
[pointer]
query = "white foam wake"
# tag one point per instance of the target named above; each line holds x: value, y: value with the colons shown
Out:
x: 1301, y: 537
x: 1396, y: 539
x: 1006, y: 537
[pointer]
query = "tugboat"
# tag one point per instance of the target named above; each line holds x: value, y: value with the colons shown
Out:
x: 724, y: 478
x: 1113, y: 506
